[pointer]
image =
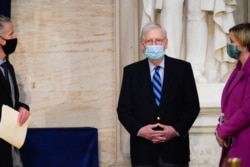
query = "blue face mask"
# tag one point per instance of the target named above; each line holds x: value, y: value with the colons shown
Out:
x: 233, y: 51
x: 154, y: 52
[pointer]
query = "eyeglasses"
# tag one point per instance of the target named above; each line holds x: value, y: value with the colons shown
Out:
x: 153, y: 41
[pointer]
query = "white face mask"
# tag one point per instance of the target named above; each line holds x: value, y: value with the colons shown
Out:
x: 154, y: 52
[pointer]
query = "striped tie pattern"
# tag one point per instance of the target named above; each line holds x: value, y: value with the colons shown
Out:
x: 157, y: 85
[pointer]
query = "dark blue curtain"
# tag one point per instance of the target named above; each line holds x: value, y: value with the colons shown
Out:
x: 60, y: 147
x: 5, y: 7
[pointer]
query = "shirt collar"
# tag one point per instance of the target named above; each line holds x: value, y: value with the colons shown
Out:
x: 2, y: 61
x: 152, y: 66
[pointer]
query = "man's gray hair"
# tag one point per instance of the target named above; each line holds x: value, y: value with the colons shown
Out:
x: 3, y: 19
x: 151, y: 26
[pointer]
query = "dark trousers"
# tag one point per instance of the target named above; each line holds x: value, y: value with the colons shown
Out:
x: 163, y: 164
x: 5, y: 154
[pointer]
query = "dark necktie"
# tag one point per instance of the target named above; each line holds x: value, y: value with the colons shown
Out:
x: 6, y: 71
x: 157, y: 85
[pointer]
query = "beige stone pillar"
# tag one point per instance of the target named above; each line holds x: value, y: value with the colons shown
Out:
x: 126, y: 53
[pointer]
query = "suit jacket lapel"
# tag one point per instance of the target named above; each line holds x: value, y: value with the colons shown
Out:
x: 235, y: 77
x: 146, y: 82
x: 167, y: 80
x: 6, y: 87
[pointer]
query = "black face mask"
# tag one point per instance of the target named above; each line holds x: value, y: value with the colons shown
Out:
x: 10, y: 46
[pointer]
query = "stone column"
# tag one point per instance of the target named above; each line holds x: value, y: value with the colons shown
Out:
x: 126, y: 52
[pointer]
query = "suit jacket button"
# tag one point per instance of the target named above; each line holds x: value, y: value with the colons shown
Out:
x: 158, y: 118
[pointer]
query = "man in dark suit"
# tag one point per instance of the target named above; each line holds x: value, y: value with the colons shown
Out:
x: 158, y: 124
x: 9, y: 94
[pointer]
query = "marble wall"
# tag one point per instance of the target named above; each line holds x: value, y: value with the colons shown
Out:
x: 65, y: 64
x: 69, y: 63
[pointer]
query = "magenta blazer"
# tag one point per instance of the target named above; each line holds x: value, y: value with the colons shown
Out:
x: 235, y: 104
